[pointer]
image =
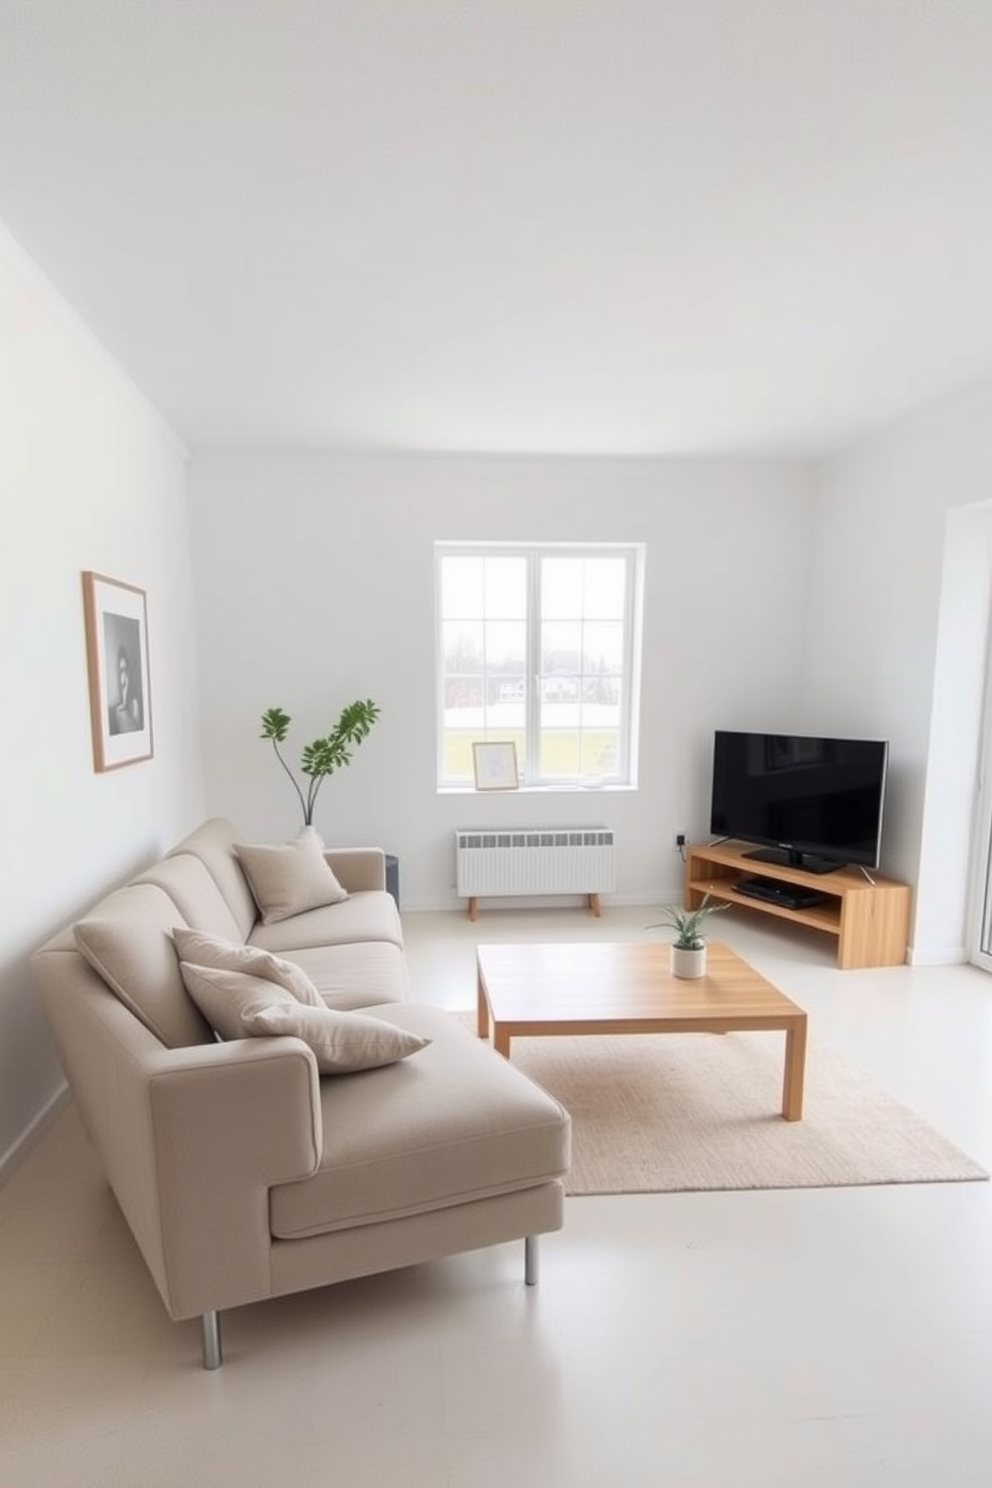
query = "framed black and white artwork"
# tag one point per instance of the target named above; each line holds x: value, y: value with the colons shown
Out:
x: 119, y: 680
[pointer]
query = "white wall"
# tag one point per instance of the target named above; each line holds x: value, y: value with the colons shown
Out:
x: 89, y: 479
x: 314, y: 580
x: 854, y: 600
x: 897, y: 638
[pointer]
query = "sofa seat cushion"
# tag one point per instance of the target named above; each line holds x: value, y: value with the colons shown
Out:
x: 356, y: 976
x: 456, y: 1124
x: 370, y: 915
x: 128, y: 939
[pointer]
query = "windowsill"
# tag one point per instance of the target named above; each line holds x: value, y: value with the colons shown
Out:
x: 540, y: 790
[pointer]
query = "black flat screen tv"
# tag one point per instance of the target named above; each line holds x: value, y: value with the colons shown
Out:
x: 809, y: 802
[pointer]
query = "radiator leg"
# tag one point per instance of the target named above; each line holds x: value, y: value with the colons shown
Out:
x: 531, y: 1259
x: 212, y: 1356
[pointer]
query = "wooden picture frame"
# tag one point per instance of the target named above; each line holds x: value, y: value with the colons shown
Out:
x: 495, y: 765
x: 116, y: 622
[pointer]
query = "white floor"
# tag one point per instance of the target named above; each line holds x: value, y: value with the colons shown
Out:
x: 834, y: 1338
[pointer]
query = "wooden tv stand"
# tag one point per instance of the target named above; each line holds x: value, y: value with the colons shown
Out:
x: 869, y: 921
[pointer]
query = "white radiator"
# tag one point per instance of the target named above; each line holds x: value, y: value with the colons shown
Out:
x: 553, y: 860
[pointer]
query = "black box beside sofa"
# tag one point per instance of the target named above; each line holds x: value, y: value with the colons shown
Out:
x: 242, y: 1172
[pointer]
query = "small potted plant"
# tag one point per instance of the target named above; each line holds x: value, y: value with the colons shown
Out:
x: 688, y: 957
x: 323, y: 756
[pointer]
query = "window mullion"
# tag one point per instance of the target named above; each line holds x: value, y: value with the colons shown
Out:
x: 626, y: 695
x: 533, y: 715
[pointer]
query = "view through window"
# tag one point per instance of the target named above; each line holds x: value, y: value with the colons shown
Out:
x: 537, y: 645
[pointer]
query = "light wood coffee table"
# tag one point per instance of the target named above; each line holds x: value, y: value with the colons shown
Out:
x: 539, y: 991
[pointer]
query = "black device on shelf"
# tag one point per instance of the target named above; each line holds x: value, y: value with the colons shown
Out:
x: 810, y: 802
x: 774, y: 891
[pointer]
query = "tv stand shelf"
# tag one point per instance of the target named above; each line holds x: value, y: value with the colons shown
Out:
x: 870, y: 921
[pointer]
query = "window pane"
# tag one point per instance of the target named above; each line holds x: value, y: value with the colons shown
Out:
x: 602, y: 647
x: 508, y: 711
x: 559, y: 753
x: 561, y: 588
x: 605, y: 589
x: 461, y: 587
x: 594, y: 588
x: 457, y: 755
x: 600, y: 753
x: 475, y: 587
x: 506, y: 588
x: 561, y: 648
x: 601, y: 690
x: 507, y: 722
x: 463, y: 691
x: 462, y: 647
x: 559, y: 689
x: 506, y: 642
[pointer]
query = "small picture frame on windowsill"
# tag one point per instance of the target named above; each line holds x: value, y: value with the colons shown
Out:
x: 495, y: 766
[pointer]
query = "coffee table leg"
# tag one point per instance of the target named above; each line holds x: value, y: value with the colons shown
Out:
x: 481, y: 1007
x: 501, y: 1039
x: 795, y: 1070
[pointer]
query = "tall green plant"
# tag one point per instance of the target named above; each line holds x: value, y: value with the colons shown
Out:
x: 323, y: 756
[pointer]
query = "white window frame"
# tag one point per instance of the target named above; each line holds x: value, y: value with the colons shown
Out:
x: 979, y: 938
x: 625, y: 775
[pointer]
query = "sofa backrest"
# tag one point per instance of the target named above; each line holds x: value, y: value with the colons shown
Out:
x: 194, y: 892
x: 127, y: 939
x: 213, y: 843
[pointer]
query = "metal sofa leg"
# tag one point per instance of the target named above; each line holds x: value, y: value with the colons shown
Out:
x: 212, y: 1356
x: 530, y: 1260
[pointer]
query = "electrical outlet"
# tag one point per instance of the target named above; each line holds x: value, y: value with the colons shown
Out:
x: 679, y: 839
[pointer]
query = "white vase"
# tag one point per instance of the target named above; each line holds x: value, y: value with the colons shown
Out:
x: 688, y: 964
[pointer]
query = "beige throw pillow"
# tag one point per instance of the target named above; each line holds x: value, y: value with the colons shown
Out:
x: 238, y: 1005
x: 200, y: 949
x: 224, y: 997
x: 289, y: 879
x: 342, y: 1042
x: 134, y: 954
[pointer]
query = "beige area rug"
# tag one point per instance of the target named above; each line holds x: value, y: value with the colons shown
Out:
x: 681, y: 1112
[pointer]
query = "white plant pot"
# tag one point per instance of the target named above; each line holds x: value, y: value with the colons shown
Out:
x: 688, y: 964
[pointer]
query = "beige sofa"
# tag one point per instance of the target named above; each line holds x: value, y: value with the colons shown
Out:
x: 242, y: 1172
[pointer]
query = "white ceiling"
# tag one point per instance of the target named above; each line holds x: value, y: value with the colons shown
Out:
x: 539, y: 225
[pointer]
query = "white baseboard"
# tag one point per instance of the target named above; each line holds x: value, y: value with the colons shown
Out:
x: 936, y: 956
x: 28, y: 1139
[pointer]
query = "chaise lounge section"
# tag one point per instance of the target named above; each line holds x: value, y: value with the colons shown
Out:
x: 242, y: 1170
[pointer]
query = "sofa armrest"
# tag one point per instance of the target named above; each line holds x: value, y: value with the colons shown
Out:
x: 190, y: 1139
x: 357, y: 868
x: 228, y: 1121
